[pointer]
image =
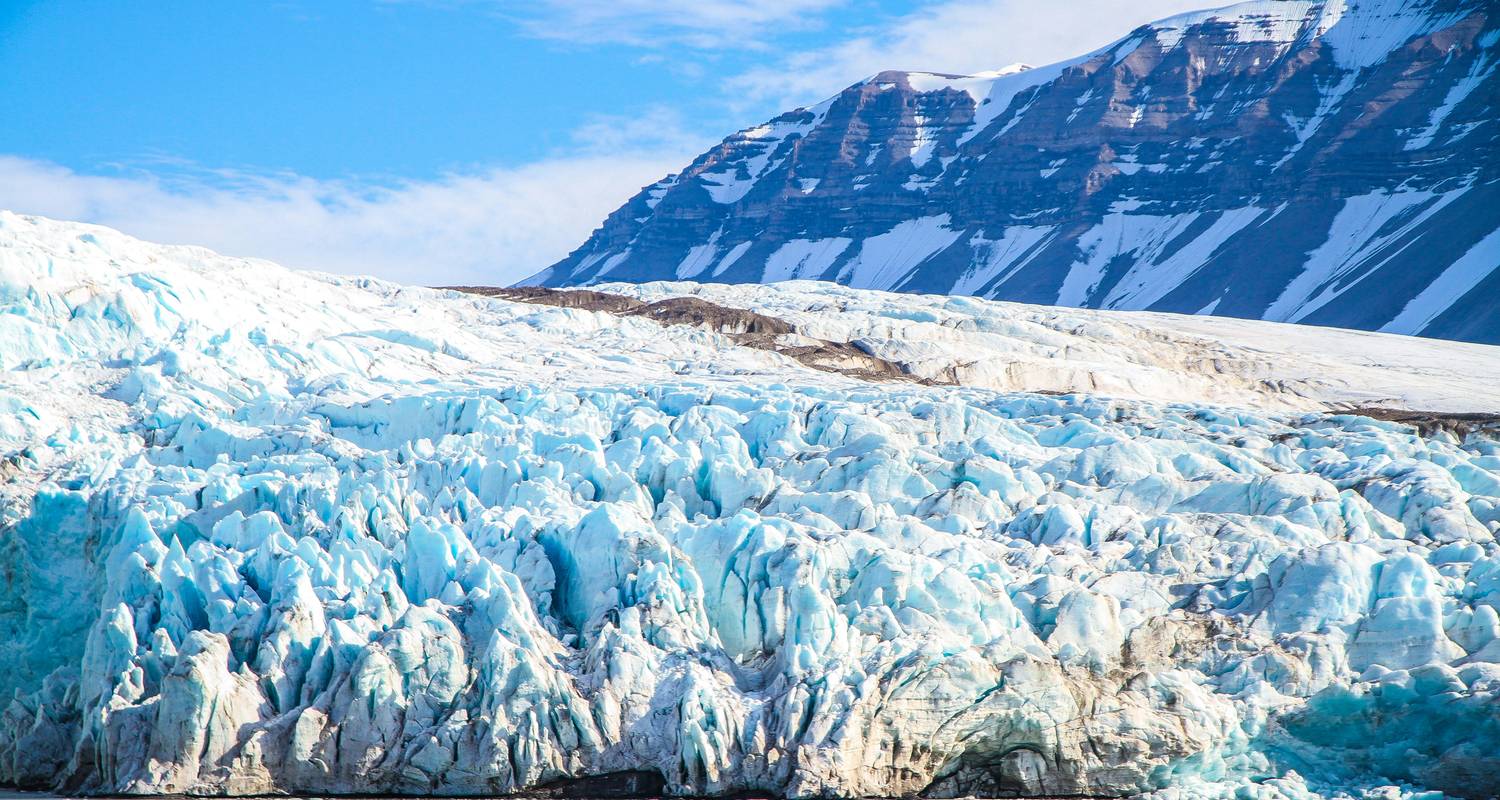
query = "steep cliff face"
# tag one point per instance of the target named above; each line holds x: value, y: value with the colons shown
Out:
x: 1332, y: 162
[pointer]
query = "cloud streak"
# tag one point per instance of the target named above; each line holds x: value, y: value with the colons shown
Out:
x: 497, y: 225
x: 654, y: 24
x: 962, y: 36
x: 490, y: 226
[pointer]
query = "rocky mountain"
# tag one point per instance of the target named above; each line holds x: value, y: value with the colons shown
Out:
x: 1334, y: 162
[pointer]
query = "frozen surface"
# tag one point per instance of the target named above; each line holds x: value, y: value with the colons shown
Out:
x: 265, y: 531
x: 1134, y: 354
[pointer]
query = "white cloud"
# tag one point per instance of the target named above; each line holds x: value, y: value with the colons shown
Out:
x: 485, y: 227
x: 702, y: 24
x: 962, y: 36
x: 497, y: 225
x: 660, y: 129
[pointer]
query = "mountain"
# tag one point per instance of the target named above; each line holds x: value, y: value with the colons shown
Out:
x: 267, y: 532
x: 1333, y: 162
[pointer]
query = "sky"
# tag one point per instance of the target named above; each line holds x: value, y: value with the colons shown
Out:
x: 443, y: 142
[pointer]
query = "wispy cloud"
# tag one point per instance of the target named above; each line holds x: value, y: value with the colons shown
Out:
x: 499, y: 224
x: 961, y: 36
x: 658, y: 129
x: 699, y: 24
x: 484, y: 227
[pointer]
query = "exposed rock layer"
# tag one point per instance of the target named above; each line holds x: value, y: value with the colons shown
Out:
x: 1334, y: 163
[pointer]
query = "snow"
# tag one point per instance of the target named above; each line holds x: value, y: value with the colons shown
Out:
x: 1129, y: 166
x: 279, y: 532
x: 884, y: 258
x: 1448, y: 288
x: 1004, y: 90
x: 1329, y: 98
x: 1363, y: 33
x: 614, y: 260
x: 924, y: 141
x: 977, y: 86
x: 699, y: 257
x: 992, y: 92
x: 1256, y: 21
x: 919, y: 183
x: 728, y: 187
x: 1001, y: 257
x: 730, y: 257
x: 1123, y: 49
x: 987, y: 90
x: 1484, y: 67
x: 1360, y: 33
x: 1155, y: 271
x: 804, y: 258
x: 746, y: 156
x: 1142, y: 355
x: 1360, y: 233
x: 697, y: 260
x: 656, y: 191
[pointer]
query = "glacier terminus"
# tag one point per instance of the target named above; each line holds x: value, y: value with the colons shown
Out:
x: 275, y: 532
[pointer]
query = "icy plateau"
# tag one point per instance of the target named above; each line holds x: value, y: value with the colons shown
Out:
x: 264, y: 531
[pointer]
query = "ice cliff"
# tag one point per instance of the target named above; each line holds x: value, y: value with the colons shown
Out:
x: 263, y: 531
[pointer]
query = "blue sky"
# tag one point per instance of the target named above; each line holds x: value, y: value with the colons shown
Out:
x: 331, y: 89
x: 440, y: 141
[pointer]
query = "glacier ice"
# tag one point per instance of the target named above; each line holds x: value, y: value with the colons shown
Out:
x: 1129, y: 354
x: 273, y: 532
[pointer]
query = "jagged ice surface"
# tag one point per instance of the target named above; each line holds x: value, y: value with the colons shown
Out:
x: 265, y: 531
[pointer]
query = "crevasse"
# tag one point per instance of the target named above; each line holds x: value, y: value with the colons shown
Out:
x: 333, y: 536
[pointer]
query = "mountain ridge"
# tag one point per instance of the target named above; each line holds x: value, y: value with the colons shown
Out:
x: 1324, y: 162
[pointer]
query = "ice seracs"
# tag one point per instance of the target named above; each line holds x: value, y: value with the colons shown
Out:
x: 275, y: 532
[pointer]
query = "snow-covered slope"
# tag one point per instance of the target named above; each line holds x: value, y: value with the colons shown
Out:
x: 1333, y: 162
x: 1143, y: 355
x: 263, y: 531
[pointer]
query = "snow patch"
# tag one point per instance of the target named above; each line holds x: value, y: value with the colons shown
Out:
x: 731, y: 257
x: 1358, y: 234
x: 803, y: 258
x: 1457, y: 280
x: 884, y: 258
x: 699, y: 258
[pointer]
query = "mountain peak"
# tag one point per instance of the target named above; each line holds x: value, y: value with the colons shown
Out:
x: 1328, y: 162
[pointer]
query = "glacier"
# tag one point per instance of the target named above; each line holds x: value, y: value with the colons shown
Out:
x: 264, y: 531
